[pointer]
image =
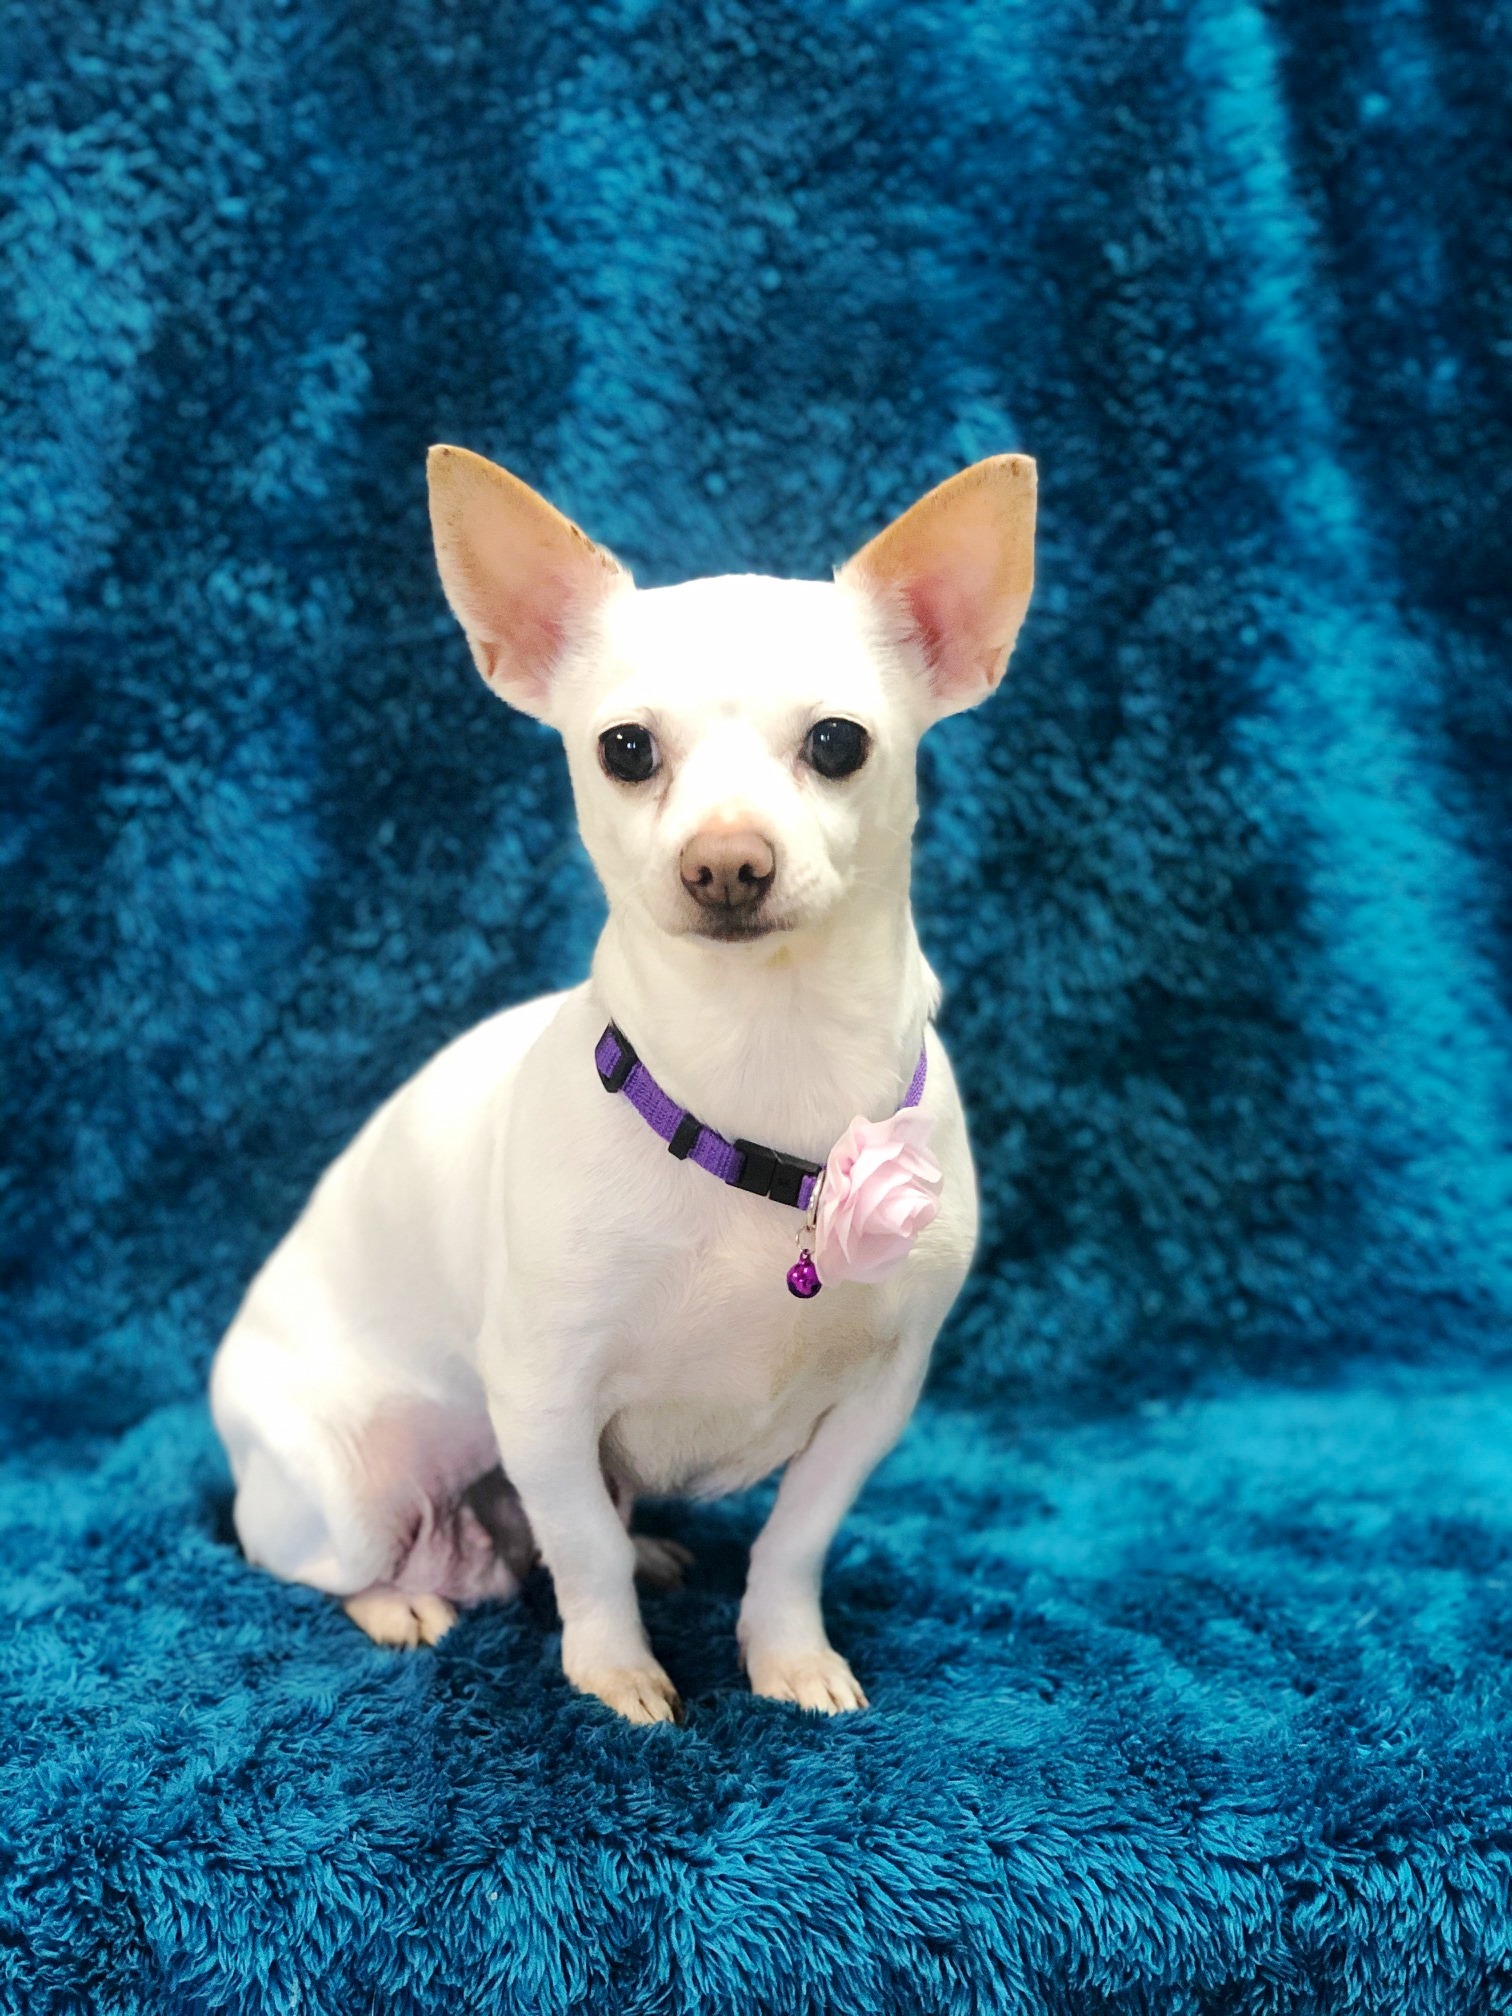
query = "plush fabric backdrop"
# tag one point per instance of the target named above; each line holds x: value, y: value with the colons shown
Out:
x: 1186, y: 1605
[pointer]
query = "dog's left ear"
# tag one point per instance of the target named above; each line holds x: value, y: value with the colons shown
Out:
x: 521, y: 578
x: 952, y: 577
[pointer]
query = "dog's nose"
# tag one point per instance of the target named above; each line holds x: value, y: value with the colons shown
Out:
x: 727, y: 870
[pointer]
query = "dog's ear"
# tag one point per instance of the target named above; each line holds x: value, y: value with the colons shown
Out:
x: 519, y: 576
x: 952, y: 577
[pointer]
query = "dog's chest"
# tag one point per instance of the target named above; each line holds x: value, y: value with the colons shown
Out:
x: 729, y: 1373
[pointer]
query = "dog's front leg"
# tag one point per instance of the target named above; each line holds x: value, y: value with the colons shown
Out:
x: 551, y: 1456
x: 786, y: 1650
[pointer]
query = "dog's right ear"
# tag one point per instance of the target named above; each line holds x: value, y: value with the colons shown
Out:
x: 519, y: 576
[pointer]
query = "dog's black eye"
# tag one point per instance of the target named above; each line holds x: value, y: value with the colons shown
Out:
x: 836, y: 748
x: 628, y: 752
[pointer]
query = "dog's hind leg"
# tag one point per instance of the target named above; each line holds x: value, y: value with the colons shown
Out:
x: 395, y: 1520
x: 292, y: 1519
x: 659, y: 1563
x: 478, y: 1550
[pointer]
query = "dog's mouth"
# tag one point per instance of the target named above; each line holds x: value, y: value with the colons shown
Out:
x: 735, y: 928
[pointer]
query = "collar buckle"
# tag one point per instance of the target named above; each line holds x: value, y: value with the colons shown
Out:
x: 766, y: 1172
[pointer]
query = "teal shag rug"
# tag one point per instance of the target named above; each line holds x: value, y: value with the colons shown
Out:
x: 1186, y: 1604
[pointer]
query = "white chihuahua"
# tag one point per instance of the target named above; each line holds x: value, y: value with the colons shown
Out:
x: 507, y: 1308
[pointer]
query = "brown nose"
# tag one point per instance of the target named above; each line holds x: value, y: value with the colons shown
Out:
x: 727, y: 871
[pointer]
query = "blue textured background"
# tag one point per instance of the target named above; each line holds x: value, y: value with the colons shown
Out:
x: 1186, y: 1606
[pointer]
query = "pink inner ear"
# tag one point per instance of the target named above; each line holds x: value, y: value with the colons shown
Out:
x: 535, y: 637
x: 525, y: 635
x: 923, y: 598
x: 933, y: 603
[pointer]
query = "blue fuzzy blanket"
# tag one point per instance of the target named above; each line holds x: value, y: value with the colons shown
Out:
x: 1186, y: 1605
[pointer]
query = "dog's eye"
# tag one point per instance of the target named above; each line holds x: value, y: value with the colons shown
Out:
x: 836, y: 748
x: 629, y: 752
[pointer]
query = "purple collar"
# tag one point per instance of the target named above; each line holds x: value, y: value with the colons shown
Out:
x: 745, y: 1164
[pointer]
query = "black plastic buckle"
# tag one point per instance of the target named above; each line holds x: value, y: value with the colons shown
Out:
x: 685, y: 1137
x: 757, y: 1168
x: 766, y: 1173
x: 787, y: 1179
x: 613, y: 1079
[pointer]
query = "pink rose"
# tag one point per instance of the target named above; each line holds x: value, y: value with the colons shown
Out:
x: 881, y: 1188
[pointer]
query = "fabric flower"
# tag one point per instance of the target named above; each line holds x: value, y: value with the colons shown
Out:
x: 881, y: 1188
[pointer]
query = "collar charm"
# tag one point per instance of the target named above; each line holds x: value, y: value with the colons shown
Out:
x: 803, y: 1277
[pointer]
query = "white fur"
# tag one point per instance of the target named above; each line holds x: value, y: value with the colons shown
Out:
x: 506, y: 1264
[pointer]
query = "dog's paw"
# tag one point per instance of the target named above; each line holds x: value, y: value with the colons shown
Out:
x: 639, y: 1693
x: 660, y: 1564
x: 818, y: 1680
x: 389, y: 1617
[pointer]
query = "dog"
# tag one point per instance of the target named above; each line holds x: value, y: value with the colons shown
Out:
x: 507, y: 1310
